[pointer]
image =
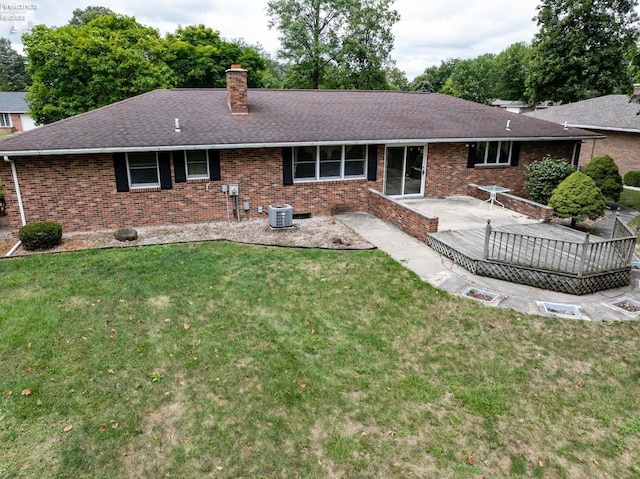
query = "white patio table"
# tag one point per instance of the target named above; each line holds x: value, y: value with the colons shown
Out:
x: 493, y: 190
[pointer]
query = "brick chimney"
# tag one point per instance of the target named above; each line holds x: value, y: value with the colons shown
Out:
x: 636, y: 88
x: 237, y: 98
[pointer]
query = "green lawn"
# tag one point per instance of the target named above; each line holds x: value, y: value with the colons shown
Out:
x: 219, y: 360
x: 630, y: 198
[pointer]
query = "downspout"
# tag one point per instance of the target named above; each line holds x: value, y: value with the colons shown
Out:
x: 14, y: 172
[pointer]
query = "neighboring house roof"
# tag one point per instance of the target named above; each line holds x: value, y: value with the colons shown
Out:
x: 279, y: 118
x: 609, y: 113
x: 13, y: 102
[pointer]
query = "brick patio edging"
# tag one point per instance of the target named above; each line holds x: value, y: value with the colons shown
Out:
x: 515, y: 203
x: 408, y: 220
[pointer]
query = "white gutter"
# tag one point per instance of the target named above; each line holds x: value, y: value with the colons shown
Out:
x: 605, y: 128
x: 76, y: 151
x: 14, y: 172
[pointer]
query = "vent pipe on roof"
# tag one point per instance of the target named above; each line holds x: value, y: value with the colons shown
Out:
x: 508, y: 128
x: 177, y: 121
x: 237, y: 98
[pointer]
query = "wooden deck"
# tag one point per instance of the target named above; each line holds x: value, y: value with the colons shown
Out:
x: 540, y: 254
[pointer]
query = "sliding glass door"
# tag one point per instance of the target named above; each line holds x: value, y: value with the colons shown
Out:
x: 404, y: 170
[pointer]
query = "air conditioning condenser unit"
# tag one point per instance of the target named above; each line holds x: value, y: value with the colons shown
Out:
x: 280, y: 216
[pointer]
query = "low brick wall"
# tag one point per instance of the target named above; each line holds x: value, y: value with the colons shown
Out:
x: 514, y: 203
x: 408, y: 220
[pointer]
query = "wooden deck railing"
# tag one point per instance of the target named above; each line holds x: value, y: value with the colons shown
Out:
x: 560, y: 256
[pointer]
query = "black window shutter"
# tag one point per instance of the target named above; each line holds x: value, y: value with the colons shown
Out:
x: 120, y: 167
x: 372, y: 163
x: 165, y: 170
x: 287, y: 166
x: 214, y: 165
x: 515, y: 153
x: 179, y: 168
x: 471, y: 159
x: 576, y: 159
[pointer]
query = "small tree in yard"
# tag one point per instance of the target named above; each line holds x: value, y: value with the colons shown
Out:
x: 578, y: 197
x: 542, y: 177
x: 604, y: 172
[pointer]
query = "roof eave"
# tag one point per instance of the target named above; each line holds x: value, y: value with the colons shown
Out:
x: 605, y: 128
x: 404, y: 141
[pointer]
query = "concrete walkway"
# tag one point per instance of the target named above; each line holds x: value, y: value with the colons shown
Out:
x: 448, y: 276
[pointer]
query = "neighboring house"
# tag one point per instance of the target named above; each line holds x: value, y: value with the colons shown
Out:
x: 613, y: 116
x: 174, y: 156
x: 512, y: 106
x: 13, y: 113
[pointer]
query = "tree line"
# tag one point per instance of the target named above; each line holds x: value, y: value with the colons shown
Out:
x: 583, y: 49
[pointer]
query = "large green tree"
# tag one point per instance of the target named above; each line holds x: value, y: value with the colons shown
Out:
x: 581, y: 50
x: 76, y: 68
x: 434, y: 77
x: 334, y: 42
x: 367, y: 44
x: 512, y: 69
x: 82, y: 16
x: 199, y: 57
x: 473, y: 79
x: 13, y: 68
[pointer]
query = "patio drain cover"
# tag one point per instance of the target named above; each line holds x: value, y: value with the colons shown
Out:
x: 564, y: 310
x: 628, y: 305
x: 480, y: 295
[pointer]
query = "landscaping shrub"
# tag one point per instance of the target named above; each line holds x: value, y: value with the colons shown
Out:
x: 578, y: 197
x: 42, y: 235
x: 542, y: 177
x: 632, y: 178
x: 604, y: 172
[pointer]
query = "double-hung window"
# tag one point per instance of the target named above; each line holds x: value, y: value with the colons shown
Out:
x: 143, y: 169
x: 493, y: 153
x: 197, y: 164
x: 336, y: 162
x: 5, y: 120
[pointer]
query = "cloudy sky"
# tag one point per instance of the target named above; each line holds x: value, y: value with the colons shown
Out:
x: 427, y: 33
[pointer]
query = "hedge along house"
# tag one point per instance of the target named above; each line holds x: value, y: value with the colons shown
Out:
x: 171, y: 156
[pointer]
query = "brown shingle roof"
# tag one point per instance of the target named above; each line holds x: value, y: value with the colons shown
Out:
x: 278, y: 118
x: 610, y: 112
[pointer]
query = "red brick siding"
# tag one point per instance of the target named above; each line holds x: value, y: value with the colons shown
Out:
x: 515, y: 203
x: 408, y: 220
x: 447, y: 172
x: 624, y: 148
x: 80, y: 191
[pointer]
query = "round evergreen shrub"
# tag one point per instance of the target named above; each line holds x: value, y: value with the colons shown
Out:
x: 542, y: 177
x: 578, y: 197
x: 631, y: 178
x: 41, y: 235
x: 604, y: 172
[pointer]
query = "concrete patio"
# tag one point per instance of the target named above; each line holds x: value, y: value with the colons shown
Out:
x: 465, y: 212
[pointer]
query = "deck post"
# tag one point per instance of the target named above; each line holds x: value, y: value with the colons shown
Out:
x: 583, y: 256
x: 487, y: 236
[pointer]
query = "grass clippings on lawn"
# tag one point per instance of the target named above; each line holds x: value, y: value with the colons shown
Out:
x: 217, y: 360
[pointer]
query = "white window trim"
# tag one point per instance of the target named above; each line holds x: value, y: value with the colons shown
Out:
x: 186, y: 167
x: 9, y: 123
x: 141, y: 186
x: 343, y: 161
x: 486, y: 153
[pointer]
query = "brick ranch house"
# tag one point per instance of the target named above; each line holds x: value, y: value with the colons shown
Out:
x: 166, y: 157
x: 614, y: 117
